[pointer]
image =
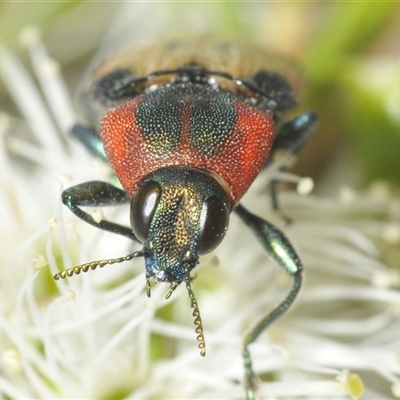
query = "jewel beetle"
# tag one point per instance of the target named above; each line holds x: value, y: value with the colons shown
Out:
x: 186, y: 127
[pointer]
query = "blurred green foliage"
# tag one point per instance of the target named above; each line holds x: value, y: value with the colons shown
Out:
x: 349, y: 38
x: 15, y: 15
x: 347, y: 30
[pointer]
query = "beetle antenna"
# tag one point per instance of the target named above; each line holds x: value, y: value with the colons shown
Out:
x: 94, y: 264
x: 197, y: 318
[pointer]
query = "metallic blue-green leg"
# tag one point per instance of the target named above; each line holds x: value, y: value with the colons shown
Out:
x: 279, y: 249
x: 89, y: 137
x: 97, y: 194
x: 291, y: 137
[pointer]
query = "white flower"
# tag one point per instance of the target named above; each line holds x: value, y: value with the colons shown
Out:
x: 98, y: 336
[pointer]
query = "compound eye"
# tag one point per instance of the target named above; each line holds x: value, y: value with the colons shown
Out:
x: 143, y: 206
x: 214, y: 221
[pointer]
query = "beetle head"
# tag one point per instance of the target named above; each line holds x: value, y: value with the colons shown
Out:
x: 178, y: 214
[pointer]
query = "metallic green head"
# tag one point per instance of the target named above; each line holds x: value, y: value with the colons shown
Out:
x: 178, y: 213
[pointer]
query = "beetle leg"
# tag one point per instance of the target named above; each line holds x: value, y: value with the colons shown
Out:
x: 97, y: 194
x: 281, y: 251
x: 89, y: 137
x: 290, y: 139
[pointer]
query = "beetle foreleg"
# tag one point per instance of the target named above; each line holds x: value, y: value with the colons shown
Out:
x: 97, y: 194
x: 280, y: 250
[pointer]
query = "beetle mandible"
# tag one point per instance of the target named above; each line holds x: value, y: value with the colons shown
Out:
x: 187, y: 127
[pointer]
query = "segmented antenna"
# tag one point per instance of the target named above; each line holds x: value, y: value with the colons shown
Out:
x: 94, y: 264
x: 197, y: 318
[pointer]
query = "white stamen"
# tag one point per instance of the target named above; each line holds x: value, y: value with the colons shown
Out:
x: 396, y: 390
x: 70, y: 294
x: 346, y: 194
x: 52, y: 85
x: 5, y: 123
x: 52, y: 222
x: 305, y: 186
x: 11, y: 362
x: 29, y: 36
x: 64, y: 178
x: 391, y: 233
x: 97, y: 214
x: 40, y: 261
x: 386, y: 279
x: 29, y: 101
